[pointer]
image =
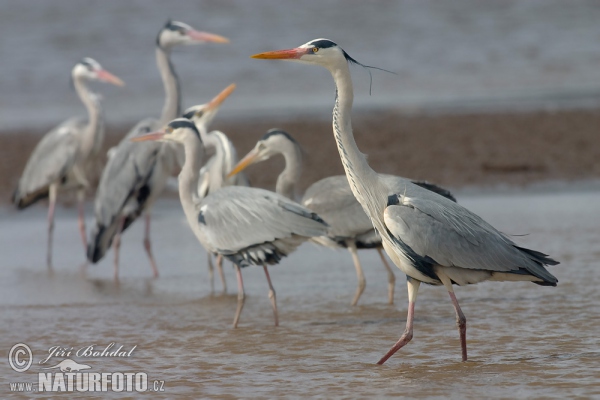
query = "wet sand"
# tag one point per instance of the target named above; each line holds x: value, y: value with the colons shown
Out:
x: 451, y: 150
x: 524, y: 341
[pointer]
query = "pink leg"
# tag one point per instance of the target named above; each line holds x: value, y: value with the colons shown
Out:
x: 221, y: 274
x: 272, y: 296
x: 241, y: 296
x: 81, y: 212
x: 52, y: 198
x: 413, y: 287
x: 148, y: 248
x: 117, y: 246
x: 211, y: 272
x: 461, y: 322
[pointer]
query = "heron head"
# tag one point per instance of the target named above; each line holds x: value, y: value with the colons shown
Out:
x: 274, y: 142
x: 204, y: 114
x: 322, y: 52
x: 179, y: 130
x: 176, y: 33
x: 90, y: 69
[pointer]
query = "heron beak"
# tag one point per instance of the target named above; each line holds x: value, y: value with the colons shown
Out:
x: 106, y: 76
x: 149, y: 136
x: 289, y: 54
x: 220, y: 98
x: 250, y: 159
x: 206, y: 37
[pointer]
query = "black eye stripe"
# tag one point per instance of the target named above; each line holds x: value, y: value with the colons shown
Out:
x: 323, y: 43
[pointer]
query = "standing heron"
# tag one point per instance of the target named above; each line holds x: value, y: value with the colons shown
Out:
x: 332, y: 199
x: 63, y: 158
x: 213, y: 175
x: 429, y: 237
x: 248, y: 226
x: 135, y: 176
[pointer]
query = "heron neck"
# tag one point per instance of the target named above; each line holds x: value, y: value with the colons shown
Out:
x: 190, y: 173
x: 288, y: 179
x: 172, y: 106
x: 94, y: 133
x: 363, y: 181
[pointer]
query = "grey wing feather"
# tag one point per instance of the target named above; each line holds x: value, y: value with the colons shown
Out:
x: 51, y: 160
x: 123, y: 190
x: 234, y: 218
x: 332, y: 199
x: 451, y: 235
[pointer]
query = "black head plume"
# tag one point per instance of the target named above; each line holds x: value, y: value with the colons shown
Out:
x: 366, y: 67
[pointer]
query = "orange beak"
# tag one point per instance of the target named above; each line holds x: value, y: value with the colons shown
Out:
x: 220, y: 98
x: 106, y: 76
x: 206, y: 37
x: 244, y: 162
x: 149, y: 136
x: 289, y: 54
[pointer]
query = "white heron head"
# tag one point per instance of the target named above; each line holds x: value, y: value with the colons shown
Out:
x: 179, y: 130
x: 202, y: 115
x: 274, y: 142
x: 90, y: 69
x: 322, y: 52
x: 176, y: 33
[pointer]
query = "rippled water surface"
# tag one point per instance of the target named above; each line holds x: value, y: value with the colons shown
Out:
x: 524, y: 341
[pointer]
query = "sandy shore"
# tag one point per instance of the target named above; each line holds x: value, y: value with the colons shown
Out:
x: 452, y: 150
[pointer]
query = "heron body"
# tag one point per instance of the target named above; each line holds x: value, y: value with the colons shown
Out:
x: 248, y: 226
x: 429, y: 237
x: 136, y: 175
x: 63, y: 159
x: 332, y: 199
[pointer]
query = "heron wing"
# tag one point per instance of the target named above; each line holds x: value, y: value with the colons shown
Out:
x: 450, y: 235
x: 234, y: 218
x: 52, y: 159
x: 332, y: 199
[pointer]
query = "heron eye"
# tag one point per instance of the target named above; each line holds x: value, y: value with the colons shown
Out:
x: 199, y: 113
x: 315, y: 49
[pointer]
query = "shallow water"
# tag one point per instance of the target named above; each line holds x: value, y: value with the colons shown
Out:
x: 524, y: 341
x: 444, y: 52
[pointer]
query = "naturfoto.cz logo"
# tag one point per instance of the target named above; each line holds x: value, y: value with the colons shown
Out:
x: 68, y: 375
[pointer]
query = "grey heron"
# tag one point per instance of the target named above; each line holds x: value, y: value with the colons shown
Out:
x: 429, y: 237
x: 246, y: 225
x: 332, y: 199
x: 62, y: 159
x: 135, y: 176
x: 213, y: 175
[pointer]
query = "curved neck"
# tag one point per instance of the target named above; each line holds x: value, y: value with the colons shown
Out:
x: 188, y: 178
x: 287, y: 181
x: 364, y: 182
x: 90, y: 141
x: 172, y: 106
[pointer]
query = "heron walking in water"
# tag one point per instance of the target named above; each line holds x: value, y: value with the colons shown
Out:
x: 213, y: 175
x: 63, y: 158
x: 429, y: 237
x: 135, y: 175
x: 248, y: 226
x: 332, y: 199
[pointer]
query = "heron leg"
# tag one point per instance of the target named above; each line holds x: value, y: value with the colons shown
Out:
x: 221, y: 273
x: 211, y: 272
x: 241, y: 296
x: 148, y: 247
x: 362, y: 282
x: 117, y: 246
x: 81, y: 217
x: 53, y: 191
x: 461, y: 320
x: 413, y: 288
x: 272, y: 296
x: 391, y: 277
